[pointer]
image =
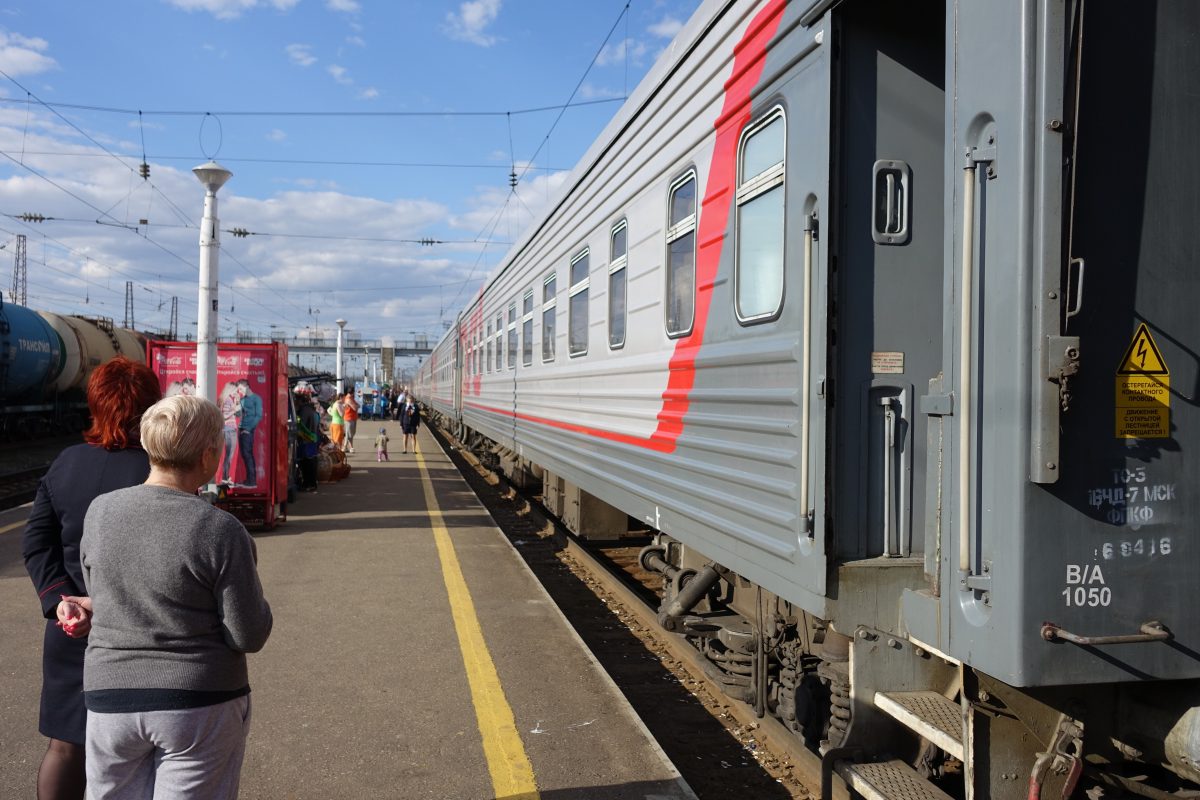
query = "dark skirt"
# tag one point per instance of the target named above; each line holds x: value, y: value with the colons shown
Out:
x: 63, y: 714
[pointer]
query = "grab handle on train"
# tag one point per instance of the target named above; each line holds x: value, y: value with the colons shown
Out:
x: 1153, y: 631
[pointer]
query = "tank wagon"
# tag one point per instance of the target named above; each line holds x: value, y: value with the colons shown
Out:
x: 882, y: 316
x: 45, y: 362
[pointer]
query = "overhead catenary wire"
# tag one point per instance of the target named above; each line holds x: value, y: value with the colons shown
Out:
x: 491, y: 228
x: 34, y: 98
x: 582, y: 78
x: 309, y: 112
x: 309, y: 162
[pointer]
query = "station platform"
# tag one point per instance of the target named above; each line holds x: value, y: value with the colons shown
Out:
x: 414, y: 655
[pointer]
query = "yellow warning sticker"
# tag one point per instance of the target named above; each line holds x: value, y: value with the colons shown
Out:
x: 1143, y: 390
x: 1143, y: 356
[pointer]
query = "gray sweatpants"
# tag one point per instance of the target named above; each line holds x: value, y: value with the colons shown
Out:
x: 154, y: 755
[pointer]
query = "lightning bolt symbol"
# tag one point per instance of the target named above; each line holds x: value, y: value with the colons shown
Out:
x: 1141, y: 353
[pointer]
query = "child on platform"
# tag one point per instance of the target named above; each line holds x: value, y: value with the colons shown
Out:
x: 381, y: 445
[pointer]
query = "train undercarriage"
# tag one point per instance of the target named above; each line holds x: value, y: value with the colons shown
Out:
x: 890, y: 715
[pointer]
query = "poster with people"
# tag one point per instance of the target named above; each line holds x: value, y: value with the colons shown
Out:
x: 243, y: 391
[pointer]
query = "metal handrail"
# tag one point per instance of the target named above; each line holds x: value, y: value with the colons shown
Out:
x: 1153, y: 631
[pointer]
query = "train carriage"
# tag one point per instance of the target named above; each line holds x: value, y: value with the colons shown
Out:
x: 812, y: 308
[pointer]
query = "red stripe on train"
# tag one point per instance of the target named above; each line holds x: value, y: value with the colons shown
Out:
x: 749, y: 59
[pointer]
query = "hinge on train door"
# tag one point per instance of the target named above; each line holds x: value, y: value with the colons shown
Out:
x: 1062, y: 364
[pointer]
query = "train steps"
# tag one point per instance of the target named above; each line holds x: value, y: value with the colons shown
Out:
x: 929, y: 714
x: 888, y: 780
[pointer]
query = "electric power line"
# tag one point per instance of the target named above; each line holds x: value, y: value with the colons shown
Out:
x: 302, y: 113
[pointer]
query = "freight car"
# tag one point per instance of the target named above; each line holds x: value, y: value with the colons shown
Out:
x: 45, y: 362
x: 813, y: 309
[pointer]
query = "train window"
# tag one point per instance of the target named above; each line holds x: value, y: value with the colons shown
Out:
x: 549, y: 307
x: 512, y: 335
x: 577, y: 306
x: 500, y: 341
x: 681, y: 255
x: 619, y: 240
x: 760, y: 223
x: 527, y: 328
x: 488, y: 362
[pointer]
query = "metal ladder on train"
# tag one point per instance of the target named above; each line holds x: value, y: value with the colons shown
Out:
x: 930, y: 715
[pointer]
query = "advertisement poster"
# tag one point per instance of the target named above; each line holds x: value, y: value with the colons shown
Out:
x: 243, y: 395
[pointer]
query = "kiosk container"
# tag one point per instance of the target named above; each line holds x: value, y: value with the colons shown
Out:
x: 252, y: 392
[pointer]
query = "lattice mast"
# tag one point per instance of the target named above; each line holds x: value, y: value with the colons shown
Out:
x: 128, y: 305
x: 20, y: 285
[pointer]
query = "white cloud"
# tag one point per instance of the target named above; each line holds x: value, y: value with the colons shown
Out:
x: 276, y: 135
x: 301, y: 54
x: 471, y: 22
x: 230, y: 9
x: 666, y: 28
x: 615, y: 53
x: 589, y: 92
x: 24, y: 55
x: 357, y: 41
x: 370, y: 93
x: 340, y: 74
x: 347, y: 6
x: 146, y: 125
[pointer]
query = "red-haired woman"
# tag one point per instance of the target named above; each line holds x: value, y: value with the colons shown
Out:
x: 118, y: 392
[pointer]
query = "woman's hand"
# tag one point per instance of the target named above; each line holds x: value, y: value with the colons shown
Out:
x: 75, y: 616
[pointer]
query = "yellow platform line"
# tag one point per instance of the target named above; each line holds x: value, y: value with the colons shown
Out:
x: 12, y: 527
x: 512, y: 774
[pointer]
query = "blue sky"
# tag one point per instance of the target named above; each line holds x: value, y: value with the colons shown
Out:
x: 357, y: 62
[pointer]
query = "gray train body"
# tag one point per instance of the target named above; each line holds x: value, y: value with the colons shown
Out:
x: 917, y: 429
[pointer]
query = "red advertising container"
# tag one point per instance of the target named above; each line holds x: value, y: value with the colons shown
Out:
x: 252, y: 392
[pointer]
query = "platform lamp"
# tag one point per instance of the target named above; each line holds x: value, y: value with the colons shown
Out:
x: 341, y: 323
x: 213, y: 176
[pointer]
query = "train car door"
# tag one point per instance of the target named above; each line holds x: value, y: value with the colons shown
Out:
x: 888, y: 231
x: 459, y: 372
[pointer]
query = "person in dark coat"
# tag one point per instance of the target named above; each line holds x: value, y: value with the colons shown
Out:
x: 410, y: 420
x: 118, y: 393
x: 308, y: 437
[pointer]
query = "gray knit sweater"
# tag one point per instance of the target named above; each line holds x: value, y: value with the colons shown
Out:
x: 176, y: 598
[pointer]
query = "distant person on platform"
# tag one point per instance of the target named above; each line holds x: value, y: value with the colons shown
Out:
x: 350, y: 414
x: 337, y: 423
x: 383, y: 405
x: 176, y: 604
x: 251, y: 415
x: 381, y: 442
x: 112, y: 458
x: 308, y: 437
x: 410, y: 420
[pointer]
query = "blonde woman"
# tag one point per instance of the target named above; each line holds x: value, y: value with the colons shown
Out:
x: 175, y: 604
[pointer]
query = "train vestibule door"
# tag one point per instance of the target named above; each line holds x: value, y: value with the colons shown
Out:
x: 888, y: 245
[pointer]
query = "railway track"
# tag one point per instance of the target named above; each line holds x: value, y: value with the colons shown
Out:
x: 613, y: 605
x: 20, y: 487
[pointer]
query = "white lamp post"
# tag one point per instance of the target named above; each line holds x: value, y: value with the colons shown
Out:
x: 213, y: 176
x: 341, y: 323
